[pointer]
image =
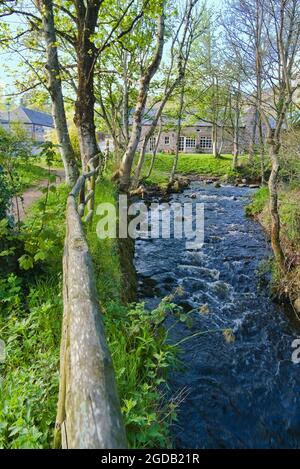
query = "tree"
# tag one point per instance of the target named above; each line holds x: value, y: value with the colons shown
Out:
x: 124, y: 172
x: 55, y: 89
x: 247, y: 39
x: 180, y: 47
x: 284, y: 39
x: 45, y: 23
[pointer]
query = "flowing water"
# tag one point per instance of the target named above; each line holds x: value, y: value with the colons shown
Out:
x: 242, y: 394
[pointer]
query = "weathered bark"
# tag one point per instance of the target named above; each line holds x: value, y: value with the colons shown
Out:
x: 86, y: 51
x: 127, y: 160
x: 55, y: 89
x: 89, y: 413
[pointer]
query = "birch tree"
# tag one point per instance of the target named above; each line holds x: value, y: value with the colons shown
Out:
x: 124, y: 172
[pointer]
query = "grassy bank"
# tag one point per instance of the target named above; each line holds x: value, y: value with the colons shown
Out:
x: 199, y: 164
x: 30, y: 323
x: 289, y: 211
x: 187, y: 164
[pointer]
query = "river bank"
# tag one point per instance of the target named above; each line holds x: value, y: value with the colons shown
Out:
x: 285, y: 285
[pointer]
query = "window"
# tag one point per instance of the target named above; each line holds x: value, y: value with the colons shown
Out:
x: 205, y: 142
x: 190, y: 142
x: 181, y: 144
x: 167, y: 140
x: 152, y: 142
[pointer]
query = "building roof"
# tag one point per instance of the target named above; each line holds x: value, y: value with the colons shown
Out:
x: 27, y: 116
x: 37, y: 117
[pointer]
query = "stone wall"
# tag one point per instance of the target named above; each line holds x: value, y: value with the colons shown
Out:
x: 202, y: 136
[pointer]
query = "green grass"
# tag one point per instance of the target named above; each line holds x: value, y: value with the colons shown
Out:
x: 258, y: 202
x: 28, y: 174
x: 201, y: 164
x: 289, y: 210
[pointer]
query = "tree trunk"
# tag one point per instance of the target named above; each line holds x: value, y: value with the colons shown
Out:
x: 179, y: 124
x: 153, y: 127
x: 127, y: 160
x: 85, y: 100
x: 253, y: 138
x: 235, y: 149
x: 215, y: 140
x: 262, y: 151
x: 140, y: 163
x: 236, y: 130
x: 55, y: 89
x: 154, y: 152
x: 125, y: 110
x: 273, y: 190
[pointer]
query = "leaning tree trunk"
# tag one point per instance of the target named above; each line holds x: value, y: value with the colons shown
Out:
x: 273, y: 190
x: 152, y: 130
x: 127, y: 160
x: 55, y: 89
x: 154, y: 153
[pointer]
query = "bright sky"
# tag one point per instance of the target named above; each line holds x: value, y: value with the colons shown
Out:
x: 10, y: 62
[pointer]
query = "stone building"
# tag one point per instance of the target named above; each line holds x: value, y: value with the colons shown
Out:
x: 194, y: 138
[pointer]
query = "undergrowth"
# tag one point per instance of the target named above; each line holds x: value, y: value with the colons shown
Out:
x: 30, y: 323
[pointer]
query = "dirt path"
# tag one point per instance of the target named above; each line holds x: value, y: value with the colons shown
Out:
x: 32, y: 194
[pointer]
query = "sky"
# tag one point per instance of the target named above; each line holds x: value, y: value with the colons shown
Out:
x: 10, y: 62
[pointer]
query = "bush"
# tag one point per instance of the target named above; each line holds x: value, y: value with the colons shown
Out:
x: 30, y: 328
x: 5, y: 194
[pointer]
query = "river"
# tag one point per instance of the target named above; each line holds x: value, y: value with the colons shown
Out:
x: 239, y: 394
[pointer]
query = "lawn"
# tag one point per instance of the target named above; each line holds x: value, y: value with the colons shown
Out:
x: 204, y: 164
